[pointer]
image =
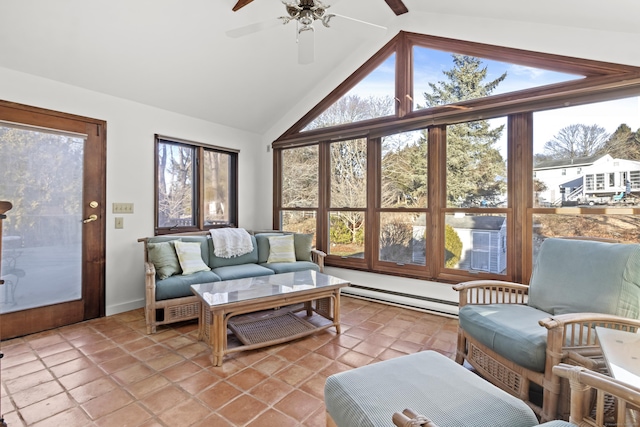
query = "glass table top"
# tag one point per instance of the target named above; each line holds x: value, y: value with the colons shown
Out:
x: 621, y: 351
x: 230, y: 291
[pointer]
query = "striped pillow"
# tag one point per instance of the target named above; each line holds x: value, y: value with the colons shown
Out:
x: 281, y: 249
x: 190, y: 257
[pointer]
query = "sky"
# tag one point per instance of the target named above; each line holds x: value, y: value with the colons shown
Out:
x: 429, y: 67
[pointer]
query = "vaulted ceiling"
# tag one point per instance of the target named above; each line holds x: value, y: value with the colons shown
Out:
x: 175, y: 55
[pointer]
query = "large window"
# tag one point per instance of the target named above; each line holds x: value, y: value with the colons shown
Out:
x: 196, y: 186
x: 471, y: 173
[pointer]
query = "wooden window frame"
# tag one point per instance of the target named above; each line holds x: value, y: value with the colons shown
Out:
x: 198, y: 187
x: 602, y: 82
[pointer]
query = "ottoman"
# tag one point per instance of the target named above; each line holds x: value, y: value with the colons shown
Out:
x: 428, y: 383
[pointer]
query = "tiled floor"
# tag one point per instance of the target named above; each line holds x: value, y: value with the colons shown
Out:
x: 109, y: 372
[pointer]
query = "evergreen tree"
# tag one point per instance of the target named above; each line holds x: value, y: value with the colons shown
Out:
x: 476, y: 171
x: 623, y: 143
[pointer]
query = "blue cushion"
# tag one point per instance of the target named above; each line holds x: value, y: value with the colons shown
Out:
x: 511, y: 330
x: 430, y: 384
x: 179, y: 286
x: 581, y: 276
x: 232, y: 272
x: 250, y: 258
x: 288, y: 267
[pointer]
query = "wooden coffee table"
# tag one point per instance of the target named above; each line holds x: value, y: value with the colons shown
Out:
x: 221, y: 302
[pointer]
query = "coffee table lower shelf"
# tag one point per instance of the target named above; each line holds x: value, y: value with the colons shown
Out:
x: 270, y: 328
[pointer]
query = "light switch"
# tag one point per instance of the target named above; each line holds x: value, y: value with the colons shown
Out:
x: 119, y: 222
x: 126, y: 208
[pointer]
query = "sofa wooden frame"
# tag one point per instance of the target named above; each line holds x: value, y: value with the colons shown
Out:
x: 571, y: 339
x: 185, y: 308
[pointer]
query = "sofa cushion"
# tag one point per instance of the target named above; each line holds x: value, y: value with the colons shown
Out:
x: 575, y: 276
x: 232, y: 272
x: 288, y: 267
x: 179, y: 286
x: 262, y: 240
x: 164, y: 258
x: 250, y: 258
x: 281, y: 249
x: 430, y: 384
x: 203, y: 240
x: 303, y: 244
x: 511, y: 330
x: 190, y: 257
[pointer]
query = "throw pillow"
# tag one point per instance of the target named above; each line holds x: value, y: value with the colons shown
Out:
x: 302, y: 244
x: 190, y: 257
x: 281, y: 249
x: 163, y: 257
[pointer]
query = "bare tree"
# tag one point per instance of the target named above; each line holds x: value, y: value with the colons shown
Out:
x: 577, y: 140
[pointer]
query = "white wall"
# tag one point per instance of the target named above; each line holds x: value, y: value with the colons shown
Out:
x: 130, y: 132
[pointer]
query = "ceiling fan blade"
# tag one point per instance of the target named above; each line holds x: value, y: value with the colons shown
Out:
x: 306, y: 47
x: 241, y: 4
x: 397, y: 6
x: 253, y: 28
x: 345, y: 23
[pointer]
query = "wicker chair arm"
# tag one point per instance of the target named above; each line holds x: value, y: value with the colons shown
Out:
x: 582, y: 319
x: 318, y: 256
x: 491, y: 292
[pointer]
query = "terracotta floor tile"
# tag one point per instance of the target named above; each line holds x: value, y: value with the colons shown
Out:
x: 46, y: 408
x: 130, y: 415
x: 107, y: 403
x: 72, y: 417
x: 273, y: 418
x: 21, y: 370
x: 147, y: 386
x: 355, y: 359
x: 271, y: 390
x: 298, y: 405
x: 27, y: 381
x: 81, y: 377
x: 219, y: 395
x: 185, y: 413
x: 242, y: 410
x: 36, y: 393
x: 108, y: 371
x: 91, y: 390
x: 164, y: 398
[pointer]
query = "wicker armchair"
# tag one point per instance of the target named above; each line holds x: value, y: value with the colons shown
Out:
x: 583, y: 384
x: 575, y: 286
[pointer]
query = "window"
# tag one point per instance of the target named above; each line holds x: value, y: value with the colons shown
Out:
x: 196, y: 186
x: 469, y: 172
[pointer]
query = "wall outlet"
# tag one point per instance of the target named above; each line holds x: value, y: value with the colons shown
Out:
x: 126, y: 208
x: 119, y: 222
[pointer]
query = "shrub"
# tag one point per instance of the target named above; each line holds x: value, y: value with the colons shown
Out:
x: 452, y: 247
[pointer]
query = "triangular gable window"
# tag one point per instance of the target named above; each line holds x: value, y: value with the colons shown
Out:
x: 432, y: 67
x: 395, y: 79
x: 371, y: 98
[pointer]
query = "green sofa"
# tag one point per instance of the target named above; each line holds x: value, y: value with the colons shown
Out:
x: 168, y: 296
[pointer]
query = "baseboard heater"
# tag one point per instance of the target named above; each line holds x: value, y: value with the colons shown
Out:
x: 401, y: 299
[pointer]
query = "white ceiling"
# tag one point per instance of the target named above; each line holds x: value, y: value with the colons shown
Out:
x: 174, y: 54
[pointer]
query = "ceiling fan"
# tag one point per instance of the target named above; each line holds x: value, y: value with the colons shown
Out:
x: 305, y: 13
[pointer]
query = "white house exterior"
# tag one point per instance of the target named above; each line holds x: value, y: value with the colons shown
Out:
x: 586, y: 178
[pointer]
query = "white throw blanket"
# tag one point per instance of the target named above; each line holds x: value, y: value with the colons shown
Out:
x: 230, y: 242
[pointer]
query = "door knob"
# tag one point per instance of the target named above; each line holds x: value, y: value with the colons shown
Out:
x: 92, y: 217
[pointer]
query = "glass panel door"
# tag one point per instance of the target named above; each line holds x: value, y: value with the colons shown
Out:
x: 42, y: 176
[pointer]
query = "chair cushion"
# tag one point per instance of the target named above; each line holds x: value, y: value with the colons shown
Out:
x: 288, y: 267
x: 511, y: 330
x: 575, y: 276
x: 179, y: 286
x: 430, y: 384
x: 250, y: 258
x: 232, y: 272
x: 558, y: 423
